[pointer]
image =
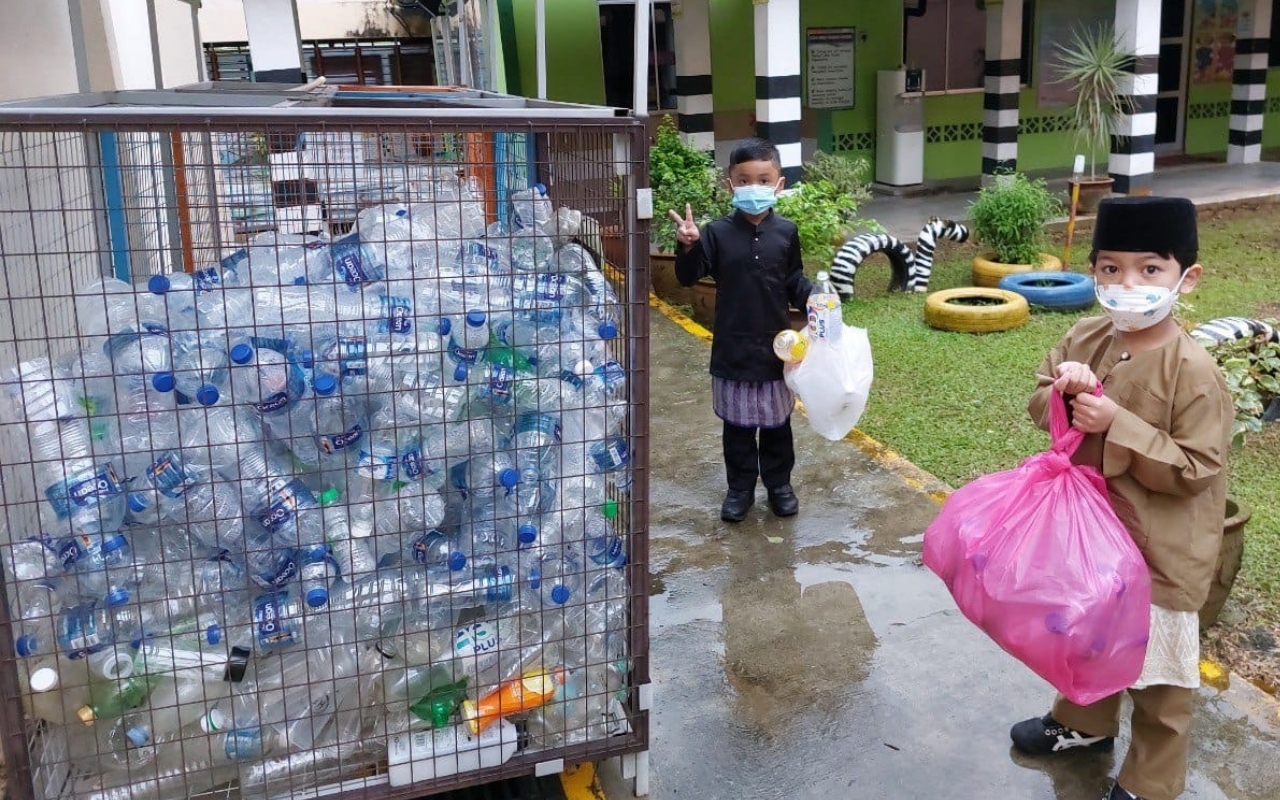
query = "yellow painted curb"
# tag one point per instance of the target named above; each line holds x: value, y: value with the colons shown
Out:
x: 1211, y: 672
x: 580, y: 783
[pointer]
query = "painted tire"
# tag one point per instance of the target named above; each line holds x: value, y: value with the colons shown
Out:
x: 1058, y: 291
x: 1226, y: 329
x: 946, y: 311
x: 989, y: 273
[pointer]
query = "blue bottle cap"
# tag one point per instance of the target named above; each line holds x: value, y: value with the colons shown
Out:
x: 114, y: 543
x: 509, y: 477
x: 457, y: 561
x: 325, y: 385
x: 138, y: 502
x: 301, y: 280
x: 213, y: 634
x: 207, y: 395
x: 540, y: 189
x: 402, y: 212
x: 527, y: 534
x: 560, y: 594
x: 159, y: 284
x: 317, y: 597
x: 241, y: 353
x: 26, y: 646
x: 535, y: 578
x: 163, y: 381
x: 137, y: 735
x: 306, y: 358
x: 475, y: 318
x: 118, y: 596
x: 445, y: 326
x: 608, y: 330
x: 460, y: 372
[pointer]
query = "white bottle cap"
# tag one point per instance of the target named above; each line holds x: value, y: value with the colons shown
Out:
x: 44, y: 679
x: 213, y: 722
x: 822, y: 276
x: 111, y: 664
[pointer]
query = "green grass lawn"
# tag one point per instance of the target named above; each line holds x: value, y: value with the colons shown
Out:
x: 955, y: 404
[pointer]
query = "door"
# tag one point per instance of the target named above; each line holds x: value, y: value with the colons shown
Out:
x: 1173, y: 69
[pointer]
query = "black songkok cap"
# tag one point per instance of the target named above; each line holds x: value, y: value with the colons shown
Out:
x: 1146, y: 225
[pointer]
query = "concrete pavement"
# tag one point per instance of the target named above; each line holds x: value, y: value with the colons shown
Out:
x: 1206, y: 184
x: 816, y: 658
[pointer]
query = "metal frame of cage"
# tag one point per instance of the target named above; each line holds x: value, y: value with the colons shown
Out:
x: 129, y: 187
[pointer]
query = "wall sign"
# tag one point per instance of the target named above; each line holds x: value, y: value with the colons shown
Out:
x: 831, y: 67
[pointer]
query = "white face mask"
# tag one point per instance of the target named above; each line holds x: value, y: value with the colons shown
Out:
x: 1138, y: 308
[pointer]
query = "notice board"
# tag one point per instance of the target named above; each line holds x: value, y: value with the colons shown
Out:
x: 831, y: 55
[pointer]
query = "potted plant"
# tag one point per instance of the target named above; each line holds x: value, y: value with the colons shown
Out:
x: 1095, y: 64
x: 679, y: 175
x: 1009, y: 217
x: 1230, y: 557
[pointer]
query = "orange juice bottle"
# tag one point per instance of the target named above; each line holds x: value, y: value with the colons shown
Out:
x: 531, y: 690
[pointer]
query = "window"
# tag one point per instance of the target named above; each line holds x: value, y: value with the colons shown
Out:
x: 949, y: 41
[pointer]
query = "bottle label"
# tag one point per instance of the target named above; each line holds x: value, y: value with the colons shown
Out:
x: 540, y: 290
x: 497, y: 584
x: 206, y: 280
x: 285, y: 499
x: 545, y: 424
x: 379, y: 465
x: 824, y: 315
x: 168, y: 477
x: 84, y: 491
x: 244, y: 745
x: 333, y: 442
x: 477, y: 640
x: 608, y: 551
x: 351, y: 260
x: 498, y: 386
x: 283, y: 570
x: 397, y: 315
x: 273, y: 630
x: 611, y: 374
x: 572, y: 378
x: 610, y: 456
x: 412, y: 466
x: 462, y: 355
x: 475, y: 251
x: 80, y: 634
x: 65, y: 551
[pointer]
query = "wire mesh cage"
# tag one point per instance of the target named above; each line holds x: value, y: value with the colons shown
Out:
x: 324, y: 446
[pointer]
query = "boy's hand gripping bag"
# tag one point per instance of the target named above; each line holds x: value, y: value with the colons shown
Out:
x: 833, y: 381
x: 1037, y: 558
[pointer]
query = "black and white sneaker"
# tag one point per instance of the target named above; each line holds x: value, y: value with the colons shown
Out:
x: 1117, y: 793
x: 1044, y: 736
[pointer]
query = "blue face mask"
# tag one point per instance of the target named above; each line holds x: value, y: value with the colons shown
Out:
x: 754, y: 199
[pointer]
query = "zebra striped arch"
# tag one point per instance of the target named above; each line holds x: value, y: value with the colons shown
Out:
x: 911, y: 269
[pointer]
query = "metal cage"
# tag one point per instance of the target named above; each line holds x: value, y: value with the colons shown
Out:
x: 325, y: 467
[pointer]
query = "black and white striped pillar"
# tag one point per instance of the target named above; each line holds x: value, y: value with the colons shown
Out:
x: 1002, y: 79
x: 1133, y: 145
x: 1249, y: 82
x: 778, y: 80
x: 694, y: 104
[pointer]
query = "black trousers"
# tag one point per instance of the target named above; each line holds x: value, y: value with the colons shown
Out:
x: 745, y: 461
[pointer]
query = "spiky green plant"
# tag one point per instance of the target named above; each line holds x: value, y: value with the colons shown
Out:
x: 1095, y: 63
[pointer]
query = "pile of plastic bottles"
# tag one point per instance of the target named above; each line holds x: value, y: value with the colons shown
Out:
x: 330, y: 503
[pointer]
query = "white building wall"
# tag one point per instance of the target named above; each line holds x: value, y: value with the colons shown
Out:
x: 36, y: 57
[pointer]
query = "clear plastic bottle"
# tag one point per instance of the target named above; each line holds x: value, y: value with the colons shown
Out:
x: 823, y: 307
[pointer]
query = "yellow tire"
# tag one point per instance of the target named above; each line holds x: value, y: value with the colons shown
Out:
x: 988, y: 310
x: 988, y: 273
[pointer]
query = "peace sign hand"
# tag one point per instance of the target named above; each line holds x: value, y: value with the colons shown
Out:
x: 686, y: 228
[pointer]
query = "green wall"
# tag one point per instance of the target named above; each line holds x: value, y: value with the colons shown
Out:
x: 733, y: 59
x: 575, y: 68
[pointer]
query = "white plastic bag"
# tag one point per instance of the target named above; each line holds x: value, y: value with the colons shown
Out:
x: 833, y: 382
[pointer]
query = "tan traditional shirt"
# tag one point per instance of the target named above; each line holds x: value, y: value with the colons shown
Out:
x: 1165, y: 455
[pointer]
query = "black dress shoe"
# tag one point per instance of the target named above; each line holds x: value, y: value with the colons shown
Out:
x: 736, y: 505
x: 783, y: 501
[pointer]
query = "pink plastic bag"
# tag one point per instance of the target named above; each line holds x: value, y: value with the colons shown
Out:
x: 1037, y: 559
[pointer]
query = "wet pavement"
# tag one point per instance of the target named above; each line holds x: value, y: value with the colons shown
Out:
x: 816, y: 658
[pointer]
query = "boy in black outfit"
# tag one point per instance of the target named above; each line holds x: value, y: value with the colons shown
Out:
x: 754, y: 257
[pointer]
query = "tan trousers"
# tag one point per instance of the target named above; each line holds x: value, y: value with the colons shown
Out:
x: 1156, y: 766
